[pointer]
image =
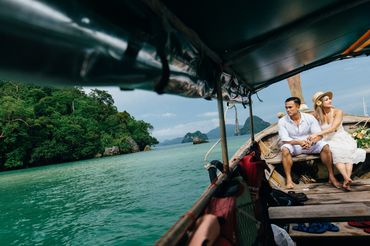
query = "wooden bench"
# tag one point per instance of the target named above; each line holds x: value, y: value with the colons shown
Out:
x: 277, y: 159
x: 303, y: 157
x: 319, y: 213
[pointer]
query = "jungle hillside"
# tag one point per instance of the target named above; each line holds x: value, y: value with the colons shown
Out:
x: 41, y: 125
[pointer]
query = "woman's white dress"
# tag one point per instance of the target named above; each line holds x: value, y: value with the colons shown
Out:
x: 343, y: 147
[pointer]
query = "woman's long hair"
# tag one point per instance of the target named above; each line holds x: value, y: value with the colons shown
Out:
x: 319, y: 114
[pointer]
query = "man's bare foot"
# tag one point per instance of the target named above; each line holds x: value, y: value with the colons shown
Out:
x: 289, y: 185
x: 334, y: 182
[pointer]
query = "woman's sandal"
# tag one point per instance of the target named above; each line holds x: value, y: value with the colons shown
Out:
x: 331, y: 227
x: 300, y: 227
x: 359, y: 224
x: 316, y: 228
x: 365, y: 224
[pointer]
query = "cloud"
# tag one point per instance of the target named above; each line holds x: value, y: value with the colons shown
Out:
x: 208, y: 114
x: 353, y: 95
x: 168, y: 115
x: 158, y: 115
x: 230, y: 116
x: 181, y: 129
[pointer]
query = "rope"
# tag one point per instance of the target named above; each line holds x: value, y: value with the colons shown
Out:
x: 207, y: 164
x: 270, y: 154
x: 367, y: 120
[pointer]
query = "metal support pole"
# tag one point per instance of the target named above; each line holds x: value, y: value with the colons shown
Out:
x: 251, y: 124
x: 225, y: 157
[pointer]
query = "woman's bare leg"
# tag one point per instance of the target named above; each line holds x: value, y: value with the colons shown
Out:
x: 349, y: 167
x: 347, y: 179
x: 327, y: 159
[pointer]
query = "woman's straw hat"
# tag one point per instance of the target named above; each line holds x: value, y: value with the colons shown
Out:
x: 318, y: 95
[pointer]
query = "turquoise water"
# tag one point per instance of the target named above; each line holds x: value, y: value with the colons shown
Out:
x: 121, y: 200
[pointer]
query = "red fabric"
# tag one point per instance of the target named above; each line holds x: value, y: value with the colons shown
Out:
x: 367, y: 230
x: 252, y: 170
x: 225, y: 208
x: 222, y: 242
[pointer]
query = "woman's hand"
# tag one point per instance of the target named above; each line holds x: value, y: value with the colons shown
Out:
x: 314, y: 138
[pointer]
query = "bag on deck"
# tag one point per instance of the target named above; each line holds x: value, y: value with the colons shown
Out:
x: 234, y: 207
x: 280, y: 198
x: 252, y: 169
x: 224, y: 209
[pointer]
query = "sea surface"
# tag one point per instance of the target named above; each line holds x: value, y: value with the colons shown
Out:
x: 122, y: 200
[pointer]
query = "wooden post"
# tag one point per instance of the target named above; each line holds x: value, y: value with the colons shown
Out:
x: 295, y: 87
x: 221, y: 117
x: 251, y: 122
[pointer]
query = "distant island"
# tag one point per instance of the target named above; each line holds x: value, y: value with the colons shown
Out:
x: 195, y: 137
x: 259, y: 125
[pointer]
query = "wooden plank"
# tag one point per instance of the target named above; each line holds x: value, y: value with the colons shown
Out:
x: 357, y: 185
x: 325, y: 188
x: 303, y: 157
x: 319, y: 213
x: 298, y: 158
x: 339, y: 198
x: 344, y: 231
x: 351, y: 119
x: 359, y: 182
x: 356, y: 188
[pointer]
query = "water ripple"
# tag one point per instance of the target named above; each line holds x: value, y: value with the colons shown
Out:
x: 121, y: 200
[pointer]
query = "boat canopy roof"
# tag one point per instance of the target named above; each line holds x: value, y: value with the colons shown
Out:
x: 177, y: 47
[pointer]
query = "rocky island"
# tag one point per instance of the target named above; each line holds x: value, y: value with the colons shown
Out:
x: 195, y: 137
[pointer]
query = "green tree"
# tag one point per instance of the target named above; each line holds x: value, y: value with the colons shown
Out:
x: 15, y: 119
x: 40, y: 125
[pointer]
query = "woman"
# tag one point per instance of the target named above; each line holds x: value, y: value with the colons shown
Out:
x: 343, y: 147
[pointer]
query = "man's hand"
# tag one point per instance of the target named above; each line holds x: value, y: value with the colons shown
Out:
x: 306, y: 144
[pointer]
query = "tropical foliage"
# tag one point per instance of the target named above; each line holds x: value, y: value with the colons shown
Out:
x: 362, y: 136
x: 40, y: 126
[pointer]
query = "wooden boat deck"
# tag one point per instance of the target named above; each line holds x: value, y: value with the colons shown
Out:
x: 326, y: 203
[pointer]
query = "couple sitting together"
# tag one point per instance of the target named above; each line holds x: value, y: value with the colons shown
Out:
x: 321, y: 133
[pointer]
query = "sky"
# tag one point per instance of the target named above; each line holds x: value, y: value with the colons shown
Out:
x: 174, y: 116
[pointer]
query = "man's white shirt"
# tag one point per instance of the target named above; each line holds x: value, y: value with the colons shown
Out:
x: 289, y: 131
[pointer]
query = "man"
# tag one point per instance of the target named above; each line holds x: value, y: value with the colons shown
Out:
x: 294, y: 130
